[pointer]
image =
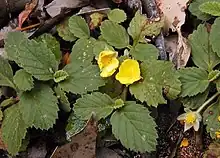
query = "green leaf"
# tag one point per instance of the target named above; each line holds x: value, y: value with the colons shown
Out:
x: 134, y: 127
x: 114, y: 34
x: 82, y: 51
x: 144, y: 51
x: 6, y: 74
x: 202, y: 54
x: 196, y: 101
x: 117, y: 15
x: 60, y: 75
x: 35, y: 57
x: 215, y: 36
x: 7, y: 102
x: 194, y: 80
x: 213, y: 75
x: 156, y: 76
x: 100, y: 46
x: 75, y: 125
x: 52, y: 44
x: 212, y: 8
x: 1, y: 115
x: 140, y: 27
x: 194, y: 9
x: 99, y: 104
x: 64, y: 31
x: 61, y: 95
x: 39, y: 107
x: 81, y: 79
x: 119, y: 103
x: 79, y: 27
x: 210, y: 118
x: 23, y: 80
x: 13, y: 129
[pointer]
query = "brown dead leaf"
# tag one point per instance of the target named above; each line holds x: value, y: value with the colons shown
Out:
x: 117, y: 1
x: 82, y: 145
x: 66, y: 58
x: 96, y: 19
x: 29, y: 7
x: 213, y: 151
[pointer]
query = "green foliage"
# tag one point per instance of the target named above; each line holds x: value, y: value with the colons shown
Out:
x: 35, y: 57
x: 210, y: 118
x: 23, y: 80
x: 119, y: 103
x: 1, y: 115
x: 194, y: 80
x: 134, y: 127
x: 79, y: 27
x: 156, y: 76
x: 114, y: 34
x: 64, y: 31
x: 13, y: 129
x: 7, y: 102
x: 144, y: 52
x: 60, y: 75
x: 99, y: 46
x: 117, y: 15
x: 39, y: 107
x: 202, y: 53
x: 6, y: 74
x: 212, y: 8
x: 215, y: 36
x: 213, y: 75
x: 101, y: 105
x: 52, y: 44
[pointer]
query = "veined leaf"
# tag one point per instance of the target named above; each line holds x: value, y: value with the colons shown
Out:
x: 213, y: 75
x: 202, y: 54
x: 35, y: 57
x: 60, y: 75
x: 117, y: 15
x: 52, y: 44
x: 212, y: 8
x: 99, y: 104
x: 194, y: 80
x: 210, y: 118
x: 79, y: 27
x: 215, y: 36
x: 64, y: 31
x: 81, y: 79
x: 156, y: 76
x: 114, y: 34
x: 39, y: 107
x: 13, y: 129
x: 23, y: 80
x: 6, y: 74
x: 144, y: 52
x: 100, y: 46
x: 134, y: 127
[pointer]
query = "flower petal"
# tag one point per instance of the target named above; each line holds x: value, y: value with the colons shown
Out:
x: 181, y: 117
x: 187, y: 126
x: 196, y: 125
x: 105, y: 58
x: 110, y: 69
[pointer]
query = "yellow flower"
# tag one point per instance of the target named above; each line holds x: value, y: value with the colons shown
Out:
x: 184, y: 142
x: 217, y: 134
x: 191, y: 119
x: 219, y: 118
x: 108, y: 62
x: 129, y: 72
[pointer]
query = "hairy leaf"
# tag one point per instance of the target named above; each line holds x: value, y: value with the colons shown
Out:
x: 39, y: 107
x: 60, y: 75
x: 81, y: 79
x: 144, y: 51
x: 13, y: 129
x: 215, y: 36
x: 114, y: 34
x: 194, y: 80
x: 202, y: 54
x: 23, y: 80
x: 79, y: 27
x: 99, y: 104
x: 35, y: 57
x: 134, y: 127
x: 64, y: 31
x: 210, y: 118
x: 213, y: 75
x: 156, y: 76
x: 52, y: 44
x: 117, y: 15
x: 6, y: 74
x: 212, y: 8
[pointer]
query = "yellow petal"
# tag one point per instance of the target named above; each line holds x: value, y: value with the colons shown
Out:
x: 184, y: 142
x: 105, y: 58
x: 110, y: 68
x: 219, y: 118
x: 217, y: 134
x: 129, y: 72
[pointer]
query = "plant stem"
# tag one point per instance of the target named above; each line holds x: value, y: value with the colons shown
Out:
x: 207, y: 102
x: 124, y: 93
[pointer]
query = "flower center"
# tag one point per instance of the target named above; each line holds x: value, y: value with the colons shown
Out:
x: 190, y: 118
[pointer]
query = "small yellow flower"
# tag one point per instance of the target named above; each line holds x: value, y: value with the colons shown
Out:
x: 129, y: 72
x: 191, y: 119
x: 219, y: 118
x: 108, y: 62
x: 217, y: 134
x: 184, y: 142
